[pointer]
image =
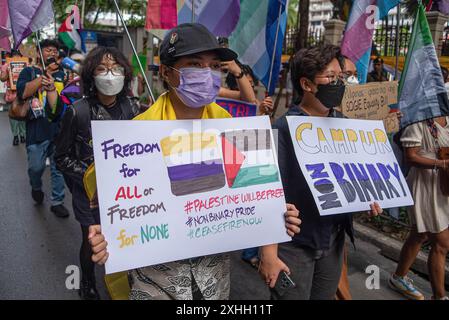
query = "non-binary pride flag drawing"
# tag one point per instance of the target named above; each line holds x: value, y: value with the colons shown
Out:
x: 248, y: 158
x: 193, y: 162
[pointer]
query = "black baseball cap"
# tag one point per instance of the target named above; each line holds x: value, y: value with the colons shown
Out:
x: 191, y: 38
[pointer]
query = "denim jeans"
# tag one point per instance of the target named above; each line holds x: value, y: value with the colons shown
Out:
x: 250, y: 253
x: 37, y: 154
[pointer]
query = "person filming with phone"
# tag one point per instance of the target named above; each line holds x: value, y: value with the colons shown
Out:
x: 39, y: 86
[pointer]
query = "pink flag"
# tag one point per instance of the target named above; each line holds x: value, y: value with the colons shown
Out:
x: 5, y: 29
x: 161, y: 14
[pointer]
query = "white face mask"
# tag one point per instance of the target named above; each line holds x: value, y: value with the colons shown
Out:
x: 352, y: 80
x: 109, y: 85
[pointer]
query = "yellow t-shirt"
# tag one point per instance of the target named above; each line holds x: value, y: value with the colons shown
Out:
x: 163, y: 109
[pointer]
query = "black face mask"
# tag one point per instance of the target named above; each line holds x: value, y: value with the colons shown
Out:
x: 331, y: 95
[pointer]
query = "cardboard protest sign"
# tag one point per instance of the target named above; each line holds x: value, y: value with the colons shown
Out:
x: 391, y: 123
x: 348, y: 164
x: 171, y: 190
x: 237, y: 108
x: 16, y: 65
x: 370, y: 101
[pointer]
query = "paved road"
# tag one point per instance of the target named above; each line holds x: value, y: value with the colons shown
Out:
x: 36, y: 247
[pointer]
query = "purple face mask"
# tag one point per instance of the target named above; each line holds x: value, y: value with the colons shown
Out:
x: 198, y: 86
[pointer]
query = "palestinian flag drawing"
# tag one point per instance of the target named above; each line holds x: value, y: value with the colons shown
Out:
x: 248, y: 158
x: 194, y: 163
x: 69, y: 32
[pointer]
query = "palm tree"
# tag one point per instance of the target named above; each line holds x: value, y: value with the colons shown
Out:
x: 302, y: 35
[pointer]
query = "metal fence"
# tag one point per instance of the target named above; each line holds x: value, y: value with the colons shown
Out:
x: 384, y: 40
x: 445, y: 41
x: 315, y: 37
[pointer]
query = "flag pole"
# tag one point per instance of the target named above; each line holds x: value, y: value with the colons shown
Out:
x: 398, y: 17
x: 274, y: 49
x: 134, y: 50
x: 83, y: 7
x: 40, y: 50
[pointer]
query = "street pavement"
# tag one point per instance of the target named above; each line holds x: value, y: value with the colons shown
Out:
x: 36, y: 247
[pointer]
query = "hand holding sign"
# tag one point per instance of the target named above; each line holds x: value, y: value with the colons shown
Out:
x: 348, y: 164
x: 292, y: 221
x: 99, y: 244
x: 192, y: 192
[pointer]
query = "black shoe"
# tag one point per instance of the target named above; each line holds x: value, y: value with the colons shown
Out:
x: 22, y: 140
x: 37, y: 196
x: 15, y: 141
x: 88, y: 291
x: 60, y: 211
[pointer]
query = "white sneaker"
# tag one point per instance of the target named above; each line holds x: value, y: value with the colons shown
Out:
x: 47, y: 162
x: 442, y: 298
x: 404, y: 285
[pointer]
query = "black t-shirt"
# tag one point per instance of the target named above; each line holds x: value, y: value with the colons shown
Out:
x: 40, y: 129
x: 115, y: 111
x: 316, y: 230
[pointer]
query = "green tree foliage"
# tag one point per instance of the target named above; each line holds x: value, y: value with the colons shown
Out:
x: 93, y: 9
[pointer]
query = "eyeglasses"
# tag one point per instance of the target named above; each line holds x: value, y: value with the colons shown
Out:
x: 349, y: 74
x: 333, y: 78
x: 103, y: 70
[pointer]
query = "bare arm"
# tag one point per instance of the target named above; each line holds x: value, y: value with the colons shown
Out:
x: 415, y: 159
x: 4, y: 75
x: 32, y: 87
x: 48, y: 83
x: 246, y: 92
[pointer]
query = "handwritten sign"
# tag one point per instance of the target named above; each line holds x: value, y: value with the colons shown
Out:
x: 237, y: 108
x: 16, y: 65
x: 171, y: 190
x: 391, y: 123
x: 348, y: 164
x: 369, y: 101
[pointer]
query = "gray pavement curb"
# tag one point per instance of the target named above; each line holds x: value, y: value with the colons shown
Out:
x: 391, y: 248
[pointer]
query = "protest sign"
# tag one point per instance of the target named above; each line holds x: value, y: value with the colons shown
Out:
x: 392, y: 123
x: 369, y: 101
x: 171, y: 190
x: 237, y: 108
x: 16, y: 65
x: 348, y: 164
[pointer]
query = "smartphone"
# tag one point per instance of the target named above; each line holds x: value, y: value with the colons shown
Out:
x: 49, y: 62
x: 283, y: 283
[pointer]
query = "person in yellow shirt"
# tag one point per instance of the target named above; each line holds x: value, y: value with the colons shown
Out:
x: 190, y: 68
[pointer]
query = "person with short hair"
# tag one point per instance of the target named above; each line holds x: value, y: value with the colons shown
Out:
x: 241, y: 82
x: 191, y: 60
x: 379, y: 73
x: 17, y: 127
x: 42, y: 87
x: 314, y: 256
